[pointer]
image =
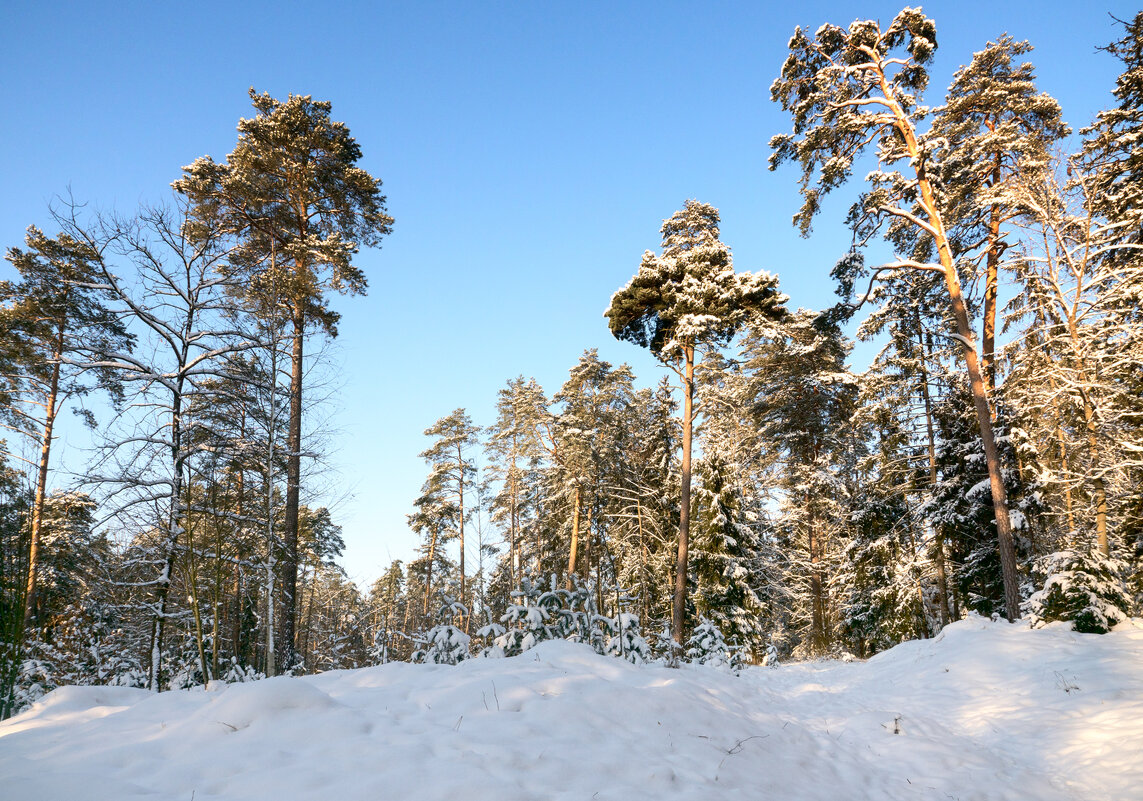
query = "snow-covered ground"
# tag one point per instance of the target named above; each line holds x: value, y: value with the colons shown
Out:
x: 985, y: 711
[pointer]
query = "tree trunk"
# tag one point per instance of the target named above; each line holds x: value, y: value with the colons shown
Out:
x: 939, y: 539
x: 460, y: 503
x: 678, y: 612
x: 599, y: 580
x: 192, y: 592
x: 174, y: 524
x: 574, y: 538
x: 429, y: 574
x: 218, y: 589
x: 307, y: 608
x: 154, y: 671
x: 1005, y: 541
x: 644, y: 569
x: 1069, y: 511
x: 288, y: 604
x: 42, y: 485
x: 513, y: 555
x: 236, y: 624
x: 817, y: 588
x: 991, y: 280
x: 1100, y: 491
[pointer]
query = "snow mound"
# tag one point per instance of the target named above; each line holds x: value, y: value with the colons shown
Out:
x: 984, y: 711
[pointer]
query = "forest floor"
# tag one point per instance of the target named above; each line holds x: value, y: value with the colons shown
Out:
x: 984, y: 711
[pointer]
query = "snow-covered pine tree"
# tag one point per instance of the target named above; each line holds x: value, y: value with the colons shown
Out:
x: 431, y: 570
x: 1115, y: 160
x: 725, y: 548
x: 1111, y: 145
x: 387, y: 606
x: 588, y: 450
x: 708, y: 646
x: 80, y: 636
x: 644, y: 506
x: 898, y: 556
x: 1083, y: 586
x: 515, y: 453
x: 802, y: 396
x: 679, y: 301
x: 1076, y: 362
x: 958, y: 508
x: 528, y: 621
x: 846, y: 89
x: 626, y: 641
x: 895, y: 582
x: 729, y: 434
x: 771, y: 658
x: 445, y: 643
x: 994, y: 130
x: 15, y: 501
x: 882, y: 577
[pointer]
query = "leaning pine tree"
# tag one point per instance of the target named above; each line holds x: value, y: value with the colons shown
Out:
x: 687, y: 297
x: 848, y: 88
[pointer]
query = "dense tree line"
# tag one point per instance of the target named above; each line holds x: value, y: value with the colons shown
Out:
x: 773, y: 502
x: 986, y: 462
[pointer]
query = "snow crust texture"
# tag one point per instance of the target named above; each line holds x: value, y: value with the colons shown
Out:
x: 986, y: 711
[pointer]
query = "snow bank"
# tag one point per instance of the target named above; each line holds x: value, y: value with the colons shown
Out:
x: 985, y: 711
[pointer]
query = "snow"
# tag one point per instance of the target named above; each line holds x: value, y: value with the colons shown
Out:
x: 984, y: 711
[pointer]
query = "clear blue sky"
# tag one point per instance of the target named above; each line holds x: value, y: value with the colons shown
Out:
x: 529, y: 152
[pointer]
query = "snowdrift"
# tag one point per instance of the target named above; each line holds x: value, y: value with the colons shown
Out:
x: 985, y: 711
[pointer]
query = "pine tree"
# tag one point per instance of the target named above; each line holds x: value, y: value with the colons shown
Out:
x: 1111, y: 144
x: 1080, y: 315
x: 1113, y: 158
x: 900, y: 393
x: 725, y: 548
x: 388, y: 604
x: 452, y: 474
x: 515, y: 453
x: 994, y: 129
x: 958, y: 508
x: 440, y: 510
x: 1083, y: 587
x: 644, y: 508
x: 15, y: 501
x: 685, y: 298
x: 55, y: 315
x: 589, y: 448
x: 847, y: 88
x: 300, y: 207
x: 802, y: 398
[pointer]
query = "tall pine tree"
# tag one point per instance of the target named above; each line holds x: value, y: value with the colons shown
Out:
x: 293, y: 195
x: 682, y: 299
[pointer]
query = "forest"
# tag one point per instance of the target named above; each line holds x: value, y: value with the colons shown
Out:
x: 762, y: 499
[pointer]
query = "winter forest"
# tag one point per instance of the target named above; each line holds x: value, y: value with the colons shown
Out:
x: 764, y: 498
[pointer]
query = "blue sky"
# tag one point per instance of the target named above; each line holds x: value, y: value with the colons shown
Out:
x: 529, y: 153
